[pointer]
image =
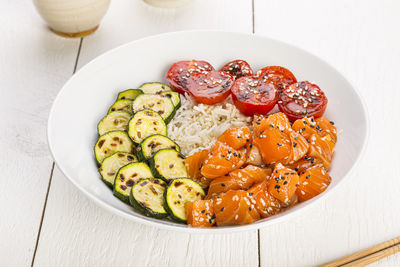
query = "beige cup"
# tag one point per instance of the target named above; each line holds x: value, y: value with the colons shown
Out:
x: 72, y: 18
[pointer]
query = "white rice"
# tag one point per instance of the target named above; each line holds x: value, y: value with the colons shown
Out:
x: 197, y: 126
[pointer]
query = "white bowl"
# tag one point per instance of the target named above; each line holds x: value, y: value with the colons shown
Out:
x: 85, y: 98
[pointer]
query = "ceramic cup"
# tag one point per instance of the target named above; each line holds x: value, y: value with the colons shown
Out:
x: 72, y: 18
x: 167, y: 3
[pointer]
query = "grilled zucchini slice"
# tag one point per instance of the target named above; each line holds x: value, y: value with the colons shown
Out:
x: 174, y: 96
x: 112, y: 164
x: 168, y: 164
x: 154, y: 143
x: 147, y: 196
x: 129, y: 94
x: 177, y: 194
x: 111, y: 142
x: 145, y: 123
x: 128, y: 176
x: 114, y: 121
x: 123, y: 104
x: 154, y: 88
x: 161, y: 105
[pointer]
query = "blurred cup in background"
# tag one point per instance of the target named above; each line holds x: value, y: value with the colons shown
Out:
x: 72, y: 18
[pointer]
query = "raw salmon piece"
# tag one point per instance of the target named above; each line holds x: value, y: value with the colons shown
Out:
x: 200, y: 213
x: 322, y: 149
x: 283, y: 183
x: 236, y: 137
x: 326, y: 127
x: 238, y: 179
x: 274, y: 145
x: 304, y: 163
x: 194, y: 162
x: 313, y: 182
x: 276, y: 120
x: 266, y: 204
x: 222, y: 159
x: 235, y: 207
x: 299, y: 147
x: 305, y: 126
x: 254, y: 156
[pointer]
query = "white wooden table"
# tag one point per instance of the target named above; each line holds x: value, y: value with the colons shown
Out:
x: 46, y: 221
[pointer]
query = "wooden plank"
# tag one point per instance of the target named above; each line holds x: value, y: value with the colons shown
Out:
x: 34, y: 64
x: 359, y: 39
x: 77, y: 232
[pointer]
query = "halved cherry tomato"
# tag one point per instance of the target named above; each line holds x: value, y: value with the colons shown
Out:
x: 238, y: 68
x: 180, y: 71
x: 302, y: 99
x: 210, y: 87
x: 278, y: 76
x: 254, y: 96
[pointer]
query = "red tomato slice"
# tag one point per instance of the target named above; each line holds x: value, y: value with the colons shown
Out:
x: 302, y: 99
x: 238, y: 68
x: 253, y: 96
x: 278, y: 76
x: 179, y: 73
x: 210, y: 87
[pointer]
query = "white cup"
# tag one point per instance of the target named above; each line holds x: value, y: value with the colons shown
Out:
x: 167, y: 3
x: 72, y: 18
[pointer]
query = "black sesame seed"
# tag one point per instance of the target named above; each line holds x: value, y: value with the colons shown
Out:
x: 222, y: 209
x: 294, y: 144
x: 258, y: 123
x: 297, y: 185
x: 213, y: 217
x: 308, y: 176
x: 279, y: 144
x: 285, y: 182
x: 222, y: 155
x: 331, y: 122
x: 251, y: 145
x: 203, y: 211
x: 250, y: 194
x: 249, y: 208
x: 222, y: 184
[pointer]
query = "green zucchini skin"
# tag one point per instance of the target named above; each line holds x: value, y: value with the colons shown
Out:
x: 145, y: 209
x: 174, y: 209
x: 129, y: 94
x: 123, y: 104
x: 160, y: 104
x: 154, y: 88
x: 122, y: 144
x: 175, y: 98
x: 154, y: 125
x: 172, y: 157
x: 124, y: 179
x: 154, y: 143
x: 118, y: 160
x: 108, y: 124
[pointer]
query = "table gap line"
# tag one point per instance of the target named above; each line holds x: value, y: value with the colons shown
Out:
x: 252, y: 17
x: 43, y: 212
x: 52, y: 172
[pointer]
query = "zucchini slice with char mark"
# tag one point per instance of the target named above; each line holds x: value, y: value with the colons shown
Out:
x: 123, y: 104
x: 168, y: 164
x: 114, y: 121
x: 178, y: 193
x: 112, y: 142
x: 154, y: 88
x: 147, y: 196
x: 129, y: 94
x: 174, y: 96
x: 110, y: 166
x: 161, y: 105
x: 128, y: 176
x: 145, y: 123
x: 154, y: 143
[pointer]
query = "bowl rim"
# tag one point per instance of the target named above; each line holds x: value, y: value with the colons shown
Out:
x: 213, y: 230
